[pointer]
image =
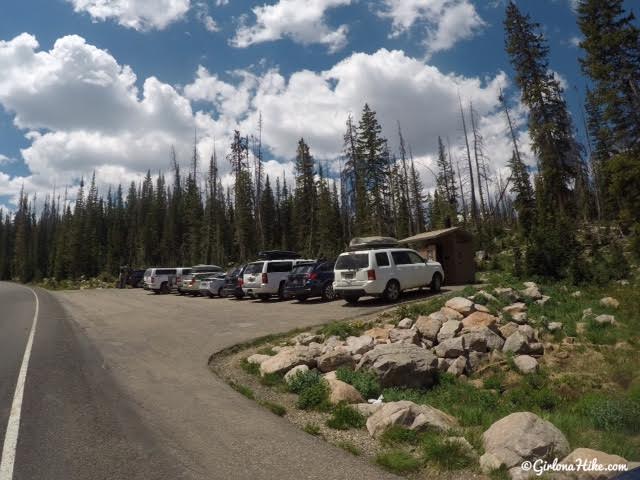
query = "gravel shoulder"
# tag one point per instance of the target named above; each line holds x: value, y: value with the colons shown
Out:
x: 157, y: 349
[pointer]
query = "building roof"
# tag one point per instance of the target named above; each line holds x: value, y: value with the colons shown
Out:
x: 433, y: 234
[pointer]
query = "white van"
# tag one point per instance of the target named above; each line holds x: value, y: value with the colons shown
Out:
x: 159, y: 279
x: 265, y: 278
x: 384, y: 272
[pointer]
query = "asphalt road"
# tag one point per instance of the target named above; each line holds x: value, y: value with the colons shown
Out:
x: 118, y: 388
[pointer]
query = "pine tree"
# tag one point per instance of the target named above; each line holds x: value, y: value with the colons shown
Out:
x: 305, y: 201
x: 268, y: 214
x: 524, y: 201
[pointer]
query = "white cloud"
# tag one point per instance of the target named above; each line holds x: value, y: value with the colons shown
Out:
x: 575, y: 41
x: 445, y: 21
x: 4, y: 160
x: 137, y: 14
x: 202, y: 14
x: 301, y: 20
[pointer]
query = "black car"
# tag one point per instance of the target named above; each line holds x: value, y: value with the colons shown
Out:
x: 136, y: 279
x: 233, y: 283
x: 311, y: 280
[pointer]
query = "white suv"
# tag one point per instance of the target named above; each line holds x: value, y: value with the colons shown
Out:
x: 265, y: 278
x: 384, y: 273
x: 159, y: 280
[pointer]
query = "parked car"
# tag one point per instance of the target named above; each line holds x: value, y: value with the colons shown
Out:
x: 159, y: 280
x: 268, y: 277
x: 311, y: 280
x: 191, y: 286
x: 384, y: 272
x: 186, y: 277
x: 233, y: 283
x: 180, y: 274
x: 213, y: 286
x: 136, y: 279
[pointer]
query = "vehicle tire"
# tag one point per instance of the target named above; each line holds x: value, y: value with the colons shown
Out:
x: 436, y: 282
x: 239, y: 296
x: 392, y: 292
x: 221, y: 292
x: 351, y: 299
x: 263, y: 297
x: 328, y: 294
x: 281, y: 294
x: 302, y: 298
x: 156, y: 292
x: 210, y: 295
x: 164, y: 288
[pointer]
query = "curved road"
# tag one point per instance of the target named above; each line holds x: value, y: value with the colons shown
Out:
x: 118, y: 388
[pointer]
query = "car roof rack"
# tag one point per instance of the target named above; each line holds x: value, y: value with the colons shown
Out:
x: 369, y: 243
x: 278, y: 255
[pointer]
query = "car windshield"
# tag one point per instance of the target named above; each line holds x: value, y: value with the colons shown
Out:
x: 254, y: 267
x: 307, y: 268
x: 352, y: 261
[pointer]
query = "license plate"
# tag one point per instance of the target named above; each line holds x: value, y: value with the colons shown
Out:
x: 348, y: 274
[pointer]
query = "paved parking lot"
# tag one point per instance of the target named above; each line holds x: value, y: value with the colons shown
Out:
x: 157, y: 347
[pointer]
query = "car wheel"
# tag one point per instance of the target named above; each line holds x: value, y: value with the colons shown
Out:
x: 263, y: 297
x: 392, y: 292
x: 239, y: 296
x: 221, y: 292
x: 281, y: 294
x: 436, y: 282
x: 328, y: 294
x: 156, y: 292
x: 302, y: 298
x: 351, y: 300
x: 164, y: 288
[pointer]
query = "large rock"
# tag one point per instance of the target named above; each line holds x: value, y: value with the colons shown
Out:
x: 517, y: 343
x: 523, y: 436
x: 526, y: 364
x: 582, y: 456
x: 458, y: 366
x: 409, y: 415
x: 508, y: 329
x: 486, y: 295
x: 476, y: 359
x: 462, y: 305
x: 449, y: 329
x: 295, y: 371
x: 451, y: 314
x: 507, y: 293
x: 367, y: 409
x: 405, y: 323
x: 531, y: 292
x: 475, y: 341
x: 342, y: 392
x: 554, y: 326
x: 288, y: 358
x: 257, y: 358
x: 360, y: 345
x: 340, y: 357
x: 609, y: 302
x: 306, y: 338
x: 492, y: 340
x: 451, y: 348
x: 515, y: 308
x: 478, y: 307
x: 605, y: 319
x: 399, y: 335
x: 429, y: 326
x: 520, y: 318
x: 399, y: 365
x: 478, y: 320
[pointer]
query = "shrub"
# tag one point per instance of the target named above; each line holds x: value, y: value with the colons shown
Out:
x: 345, y: 417
x: 312, y: 429
x: 271, y: 379
x: 448, y: 455
x: 250, y: 368
x: 342, y: 329
x: 365, y: 382
x: 314, y: 396
x: 274, y: 407
x: 268, y: 350
x: 243, y: 390
x: 495, y: 381
x: 398, y: 461
x: 611, y: 414
x: 349, y: 447
x: 302, y: 380
x: 395, y: 435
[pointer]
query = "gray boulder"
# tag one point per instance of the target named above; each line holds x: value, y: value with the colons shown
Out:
x: 449, y: 329
x: 295, y: 371
x: 451, y: 348
x: 526, y: 364
x: 475, y: 360
x: 605, y: 320
x: 475, y: 341
x: 306, y: 338
x: 399, y: 335
x: 360, y: 345
x: 461, y: 305
x: 287, y: 358
x: 517, y: 343
x: 411, y: 416
x: 257, y: 358
x: 458, y: 366
x: 405, y: 323
x: 400, y: 365
x: 330, y: 361
x: 554, y: 326
x: 429, y: 326
x: 522, y: 436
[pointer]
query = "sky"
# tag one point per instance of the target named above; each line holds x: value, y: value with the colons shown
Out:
x: 110, y: 86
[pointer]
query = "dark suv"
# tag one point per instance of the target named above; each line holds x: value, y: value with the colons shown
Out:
x: 233, y: 283
x: 136, y: 279
x: 311, y: 280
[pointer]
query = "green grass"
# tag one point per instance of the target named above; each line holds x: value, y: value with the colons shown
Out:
x: 250, y: 368
x: 275, y: 408
x: 365, y: 382
x: 396, y: 435
x: 271, y: 379
x: 243, y: 390
x: 349, y: 447
x: 314, y: 397
x: 446, y: 455
x: 345, y: 417
x: 312, y: 429
x: 398, y: 461
x: 302, y: 380
x: 342, y: 329
x: 414, y: 310
x: 266, y: 350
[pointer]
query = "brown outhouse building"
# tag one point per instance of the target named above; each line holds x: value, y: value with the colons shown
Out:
x: 452, y: 247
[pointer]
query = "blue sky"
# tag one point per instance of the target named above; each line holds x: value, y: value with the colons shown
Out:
x: 108, y: 85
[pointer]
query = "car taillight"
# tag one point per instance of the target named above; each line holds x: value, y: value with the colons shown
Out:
x: 313, y: 276
x: 240, y: 282
x: 265, y: 278
x: 371, y: 274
